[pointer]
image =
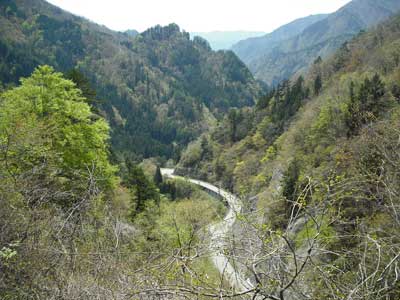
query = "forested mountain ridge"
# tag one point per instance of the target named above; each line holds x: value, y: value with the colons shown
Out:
x: 314, y: 167
x: 321, y: 38
x: 317, y: 161
x: 251, y: 48
x: 159, y: 89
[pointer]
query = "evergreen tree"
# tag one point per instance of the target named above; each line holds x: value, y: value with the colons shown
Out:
x: 318, y: 60
x: 376, y: 90
x: 353, y: 119
x: 233, y: 123
x: 365, y: 105
x: 83, y: 84
x: 206, y: 149
x: 142, y: 188
x: 317, y: 85
x: 158, y: 179
x: 290, y: 183
x: 264, y: 101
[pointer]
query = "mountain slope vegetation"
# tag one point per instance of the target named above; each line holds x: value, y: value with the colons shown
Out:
x: 70, y: 227
x: 251, y: 48
x: 159, y: 89
x: 273, y: 62
x: 317, y: 162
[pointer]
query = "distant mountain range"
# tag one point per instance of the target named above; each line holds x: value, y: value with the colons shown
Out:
x: 224, y: 40
x: 292, y: 48
x: 255, y: 47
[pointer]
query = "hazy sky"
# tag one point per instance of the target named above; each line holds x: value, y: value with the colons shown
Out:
x: 197, y: 15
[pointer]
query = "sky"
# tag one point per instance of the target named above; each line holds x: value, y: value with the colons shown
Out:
x: 197, y: 15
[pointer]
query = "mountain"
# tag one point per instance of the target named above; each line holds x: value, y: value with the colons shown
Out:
x: 224, y: 40
x: 317, y: 161
x: 254, y: 47
x: 281, y: 60
x: 314, y: 167
x: 158, y: 89
x: 131, y: 32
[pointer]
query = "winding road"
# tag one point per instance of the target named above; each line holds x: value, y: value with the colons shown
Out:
x: 219, y: 233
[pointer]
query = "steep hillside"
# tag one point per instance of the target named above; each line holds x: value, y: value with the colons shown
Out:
x: 159, y: 89
x: 315, y: 165
x: 318, y: 163
x: 72, y: 229
x: 296, y: 54
x: 255, y: 47
x: 224, y: 40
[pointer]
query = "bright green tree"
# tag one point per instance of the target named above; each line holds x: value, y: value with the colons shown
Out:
x: 46, y: 121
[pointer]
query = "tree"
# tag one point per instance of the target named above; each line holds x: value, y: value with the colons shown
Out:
x: 142, y: 188
x: 290, y: 185
x: 46, y: 121
x: 365, y: 105
x: 233, y: 118
x: 318, y: 60
x: 353, y: 119
x: 370, y: 94
x: 206, y: 149
x: 317, y: 84
x: 83, y: 84
x: 158, y: 179
x: 264, y: 101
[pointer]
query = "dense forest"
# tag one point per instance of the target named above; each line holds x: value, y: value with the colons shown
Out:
x: 89, y: 117
x: 318, y: 161
x: 70, y: 227
x: 292, y: 48
x: 158, y: 90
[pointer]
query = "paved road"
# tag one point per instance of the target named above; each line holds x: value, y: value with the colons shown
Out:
x: 219, y: 233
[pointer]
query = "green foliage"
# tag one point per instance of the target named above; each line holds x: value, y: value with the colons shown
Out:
x: 157, y: 85
x: 233, y: 118
x: 288, y: 99
x: 298, y: 163
x: 317, y: 84
x: 7, y: 253
x: 244, y: 135
x: 83, y: 84
x: 290, y: 178
x: 158, y: 179
x: 47, y: 121
x: 326, y: 234
x: 206, y: 148
x: 55, y: 188
x: 366, y: 104
x: 141, y: 187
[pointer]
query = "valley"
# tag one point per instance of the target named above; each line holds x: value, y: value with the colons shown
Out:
x: 220, y: 232
x: 144, y: 164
